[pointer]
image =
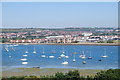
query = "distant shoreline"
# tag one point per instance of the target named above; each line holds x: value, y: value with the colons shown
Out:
x: 92, y: 44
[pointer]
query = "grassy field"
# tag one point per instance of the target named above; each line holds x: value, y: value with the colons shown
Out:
x: 47, y: 71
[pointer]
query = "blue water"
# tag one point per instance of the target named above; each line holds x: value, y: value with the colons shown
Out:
x: 36, y: 59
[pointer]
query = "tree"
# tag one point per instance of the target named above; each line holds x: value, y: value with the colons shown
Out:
x: 73, y: 75
x: 111, y: 74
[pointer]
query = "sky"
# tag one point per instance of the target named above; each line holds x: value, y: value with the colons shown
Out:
x: 59, y: 14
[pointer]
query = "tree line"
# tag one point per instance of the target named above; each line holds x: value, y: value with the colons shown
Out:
x: 111, y: 74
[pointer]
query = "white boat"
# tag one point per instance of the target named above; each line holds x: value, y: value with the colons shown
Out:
x: 84, y: 62
x: 65, y: 62
x: 66, y: 56
x: 90, y: 56
x: 59, y: 58
x: 51, y: 56
x: 34, y: 51
x: 24, y: 62
x: 24, y: 59
x: 43, y: 56
x: 25, y: 55
x: 83, y: 55
x: 74, y: 58
x: 63, y: 51
x: 62, y: 55
x: 26, y: 51
x: 104, y: 55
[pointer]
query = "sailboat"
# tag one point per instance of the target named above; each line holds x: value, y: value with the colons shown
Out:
x: 25, y: 55
x: 74, y: 56
x: 83, y: 55
x: 63, y: 53
x: 43, y: 53
x: 26, y: 51
x: 66, y: 56
x: 74, y: 60
x: 34, y: 51
x: 90, y: 56
x: 51, y: 56
x: 104, y: 55
x: 64, y: 62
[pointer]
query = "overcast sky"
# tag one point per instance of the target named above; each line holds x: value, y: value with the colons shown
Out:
x: 59, y: 14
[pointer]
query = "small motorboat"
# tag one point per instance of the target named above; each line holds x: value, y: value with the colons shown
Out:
x: 84, y: 62
x: 99, y: 60
x: 104, y: 56
x: 59, y: 58
x: 89, y: 57
x: 25, y: 55
x: 51, y: 56
x: 24, y: 62
x: 26, y: 51
x: 65, y: 62
x: 24, y: 59
x: 43, y: 56
x: 66, y: 56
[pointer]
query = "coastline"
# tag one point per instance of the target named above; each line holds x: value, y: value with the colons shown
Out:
x: 46, y: 71
x: 92, y: 44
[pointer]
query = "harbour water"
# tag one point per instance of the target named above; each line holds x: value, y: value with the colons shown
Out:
x: 12, y: 58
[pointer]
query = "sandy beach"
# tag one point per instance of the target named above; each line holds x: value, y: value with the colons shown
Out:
x: 96, y: 44
x: 47, y: 71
